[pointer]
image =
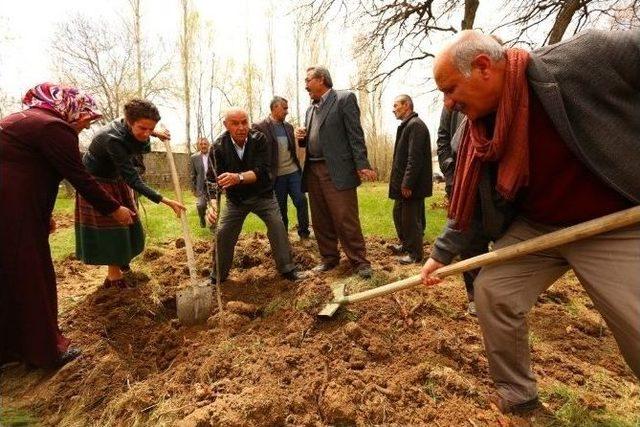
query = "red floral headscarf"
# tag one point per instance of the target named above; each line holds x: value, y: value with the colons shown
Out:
x: 68, y: 102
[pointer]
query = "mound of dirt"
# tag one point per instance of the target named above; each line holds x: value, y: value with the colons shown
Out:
x: 412, y: 358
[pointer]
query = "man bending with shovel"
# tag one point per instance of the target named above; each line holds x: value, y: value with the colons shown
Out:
x: 244, y: 173
x: 552, y: 140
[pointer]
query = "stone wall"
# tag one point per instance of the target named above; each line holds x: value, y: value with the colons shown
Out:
x: 158, y: 174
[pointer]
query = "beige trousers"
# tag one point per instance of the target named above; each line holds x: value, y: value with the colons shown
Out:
x: 607, y: 266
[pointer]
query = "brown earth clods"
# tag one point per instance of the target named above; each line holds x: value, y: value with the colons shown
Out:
x: 413, y: 358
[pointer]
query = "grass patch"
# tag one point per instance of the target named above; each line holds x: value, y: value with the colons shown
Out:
x: 274, y: 306
x: 16, y: 417
x: 571, y: 411
x: 160, y: 223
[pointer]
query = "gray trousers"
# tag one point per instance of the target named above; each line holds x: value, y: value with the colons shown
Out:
x: 607, y: 266
x: 230, y: 225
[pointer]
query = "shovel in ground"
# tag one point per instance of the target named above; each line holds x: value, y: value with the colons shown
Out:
x: 194, y: 302
x: 540, y: 243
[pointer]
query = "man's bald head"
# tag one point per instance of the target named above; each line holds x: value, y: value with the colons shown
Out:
x: 236, y: 120
x: 470, y: 73
x: 235, y: 112
x: 466, y: 46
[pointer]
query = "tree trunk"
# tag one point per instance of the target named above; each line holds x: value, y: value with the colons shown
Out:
x: 300, y: 121
x: 563, y: 20
x: 135, y: 4
x: 470, y: 9
x: 186, y: 42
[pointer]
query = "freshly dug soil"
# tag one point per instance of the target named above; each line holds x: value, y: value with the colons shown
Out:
x: 413, y: 358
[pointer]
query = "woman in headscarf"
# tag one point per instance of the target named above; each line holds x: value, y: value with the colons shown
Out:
x: 39, y: 147
x: 110, y: 159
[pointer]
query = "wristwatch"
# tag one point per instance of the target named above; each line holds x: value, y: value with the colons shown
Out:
x: 241, y: 178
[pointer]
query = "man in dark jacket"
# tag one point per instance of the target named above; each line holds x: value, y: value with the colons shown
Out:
x: 410, y: 180
x: 244, y: 173
x: 285, y: 167
x: 546, y: 148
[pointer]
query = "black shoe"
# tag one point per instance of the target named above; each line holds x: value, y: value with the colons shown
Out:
x: 396, y: 249
x: 515, y: 408
x: 295, y: 275
x: 304, y: 236
x: 408, y: 259
x: 321, y: 268
x: 68, y: 356
x: 364, y: 272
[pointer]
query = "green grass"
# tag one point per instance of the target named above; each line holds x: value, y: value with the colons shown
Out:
x: 161, y: 224
x: 16, y: 417
x: 571, y: 412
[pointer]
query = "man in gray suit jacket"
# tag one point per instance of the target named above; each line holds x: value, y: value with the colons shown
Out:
x: 198, y: 166
x: 578, y: 160
x: 336, y: 160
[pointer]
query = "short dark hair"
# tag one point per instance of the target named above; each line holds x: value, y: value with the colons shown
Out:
x: 320, y: 71
x: 136, y: 109
x: 275, y: 101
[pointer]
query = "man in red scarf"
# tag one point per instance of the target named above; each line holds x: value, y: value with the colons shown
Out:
x: 553, y: 139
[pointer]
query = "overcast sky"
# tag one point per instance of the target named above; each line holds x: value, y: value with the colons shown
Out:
x: 28, y: 27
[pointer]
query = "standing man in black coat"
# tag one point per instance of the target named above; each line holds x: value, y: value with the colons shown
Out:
x: 410, y: 180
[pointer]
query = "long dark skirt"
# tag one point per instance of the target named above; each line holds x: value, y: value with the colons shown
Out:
x: 100, y: 239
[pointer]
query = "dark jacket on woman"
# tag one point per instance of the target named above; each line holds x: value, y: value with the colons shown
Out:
x: 110, y: 156
x: 411, y: 166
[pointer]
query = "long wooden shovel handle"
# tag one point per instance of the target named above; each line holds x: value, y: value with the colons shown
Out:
x: 191, y: 260
x: 557, y: 238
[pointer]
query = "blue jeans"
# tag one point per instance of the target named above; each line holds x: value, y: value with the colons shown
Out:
x: 290, y: 185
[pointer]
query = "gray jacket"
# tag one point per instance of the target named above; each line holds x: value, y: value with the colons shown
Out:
x: 196, y: 172
x: 589, y: 86
x: 341, y: 138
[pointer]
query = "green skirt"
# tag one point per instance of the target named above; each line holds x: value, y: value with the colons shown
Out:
x: 100, y: 239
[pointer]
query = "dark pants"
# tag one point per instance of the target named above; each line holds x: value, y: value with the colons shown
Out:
x: 290, y: 185
x: 335, y: 217
x: 230, y: 225
x: 201, y: 205
x: 410, y: 220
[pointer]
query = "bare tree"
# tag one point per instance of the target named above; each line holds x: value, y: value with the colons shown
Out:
x: 189, y: 21
x: 558, y: 16
x: 137, y: 42
x: 98, y: 56
x: 297, y: 74
x: 8, y: 104
x: 380, y: 150
x: 96, y: 59
x: 252, y: 83
x: 271, y: 49
x: 400, y: 28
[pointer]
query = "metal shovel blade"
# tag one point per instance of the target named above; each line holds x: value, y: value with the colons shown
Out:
x: 194, y: 304
x: 333, y: 306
